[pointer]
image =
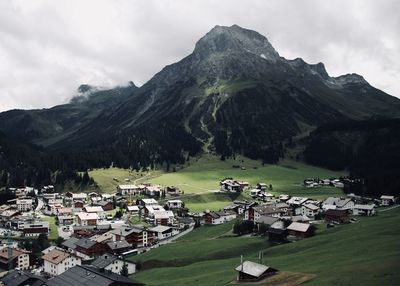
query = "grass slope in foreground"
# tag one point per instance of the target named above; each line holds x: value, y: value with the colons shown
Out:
x: 364, y: 253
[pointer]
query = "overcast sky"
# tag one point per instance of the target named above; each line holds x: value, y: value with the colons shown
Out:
x: 48, y: 48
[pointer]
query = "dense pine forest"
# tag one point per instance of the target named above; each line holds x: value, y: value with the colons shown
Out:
x: 369, y: 149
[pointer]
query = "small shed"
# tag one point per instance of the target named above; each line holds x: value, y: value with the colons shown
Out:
x: 251, y: 271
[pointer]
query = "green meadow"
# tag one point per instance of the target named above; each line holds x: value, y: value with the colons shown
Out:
x: 363, y: 253
x: 200, y: 179
x: 206, y: 172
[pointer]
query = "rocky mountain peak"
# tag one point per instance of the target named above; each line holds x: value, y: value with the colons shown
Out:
x: 352, y: 78
x: 223, y: 39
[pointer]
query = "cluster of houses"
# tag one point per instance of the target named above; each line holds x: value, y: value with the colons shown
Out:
x: 230, y: 185
x: 98, y: 241
x: 260, y: 192
x: 148, y: 190
x: 291, y: 218
x: 17, y: 217
x: 313, y: 183
x: 95, y: 238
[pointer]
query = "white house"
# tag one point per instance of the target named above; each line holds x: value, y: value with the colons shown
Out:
x: 367, y: 210
x: 150, y: 210
x: 113, y: 264
x: 163, y: 231
x: 387, y: 200
x: 58, y: 261
x: 65, y: 219
x: 148, y: 202
x: 54, y: 201
x: 219, y: 217
x: 96, y: 209
x: 153, y: 191
x: 128, y: 189
x: 174, y: 204
x: 255, y: 192
x: 163, y: 217
x: 79, y: 197
x: 85, y: 219
x: 338, y: 203
x: 133, y: 210
x: 24, y: 205
x: 229, y: 185
x: 19, y: 258
x: 309, y: 210
x: 284, y: 198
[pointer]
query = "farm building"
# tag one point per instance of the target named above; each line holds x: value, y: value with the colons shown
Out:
x: 251, y: 271
x: 299, y: 230
x: 337, y: 216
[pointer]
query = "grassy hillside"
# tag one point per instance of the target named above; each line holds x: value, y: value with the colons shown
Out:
x: 363, y: 253
x: 202, y: 177
x: 105, y: 178
x: 205, y: 174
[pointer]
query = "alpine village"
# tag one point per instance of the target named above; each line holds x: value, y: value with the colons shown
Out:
x: 232, y: 166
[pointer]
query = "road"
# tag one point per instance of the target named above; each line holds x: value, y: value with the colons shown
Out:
x: 388, y: 209
x: 40, y: 205
x: 165, y: 241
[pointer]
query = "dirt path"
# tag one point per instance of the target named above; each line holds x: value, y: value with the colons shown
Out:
x: 282, y: 279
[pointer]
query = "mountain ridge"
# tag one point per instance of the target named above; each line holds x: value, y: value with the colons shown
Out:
x: 233, y: 94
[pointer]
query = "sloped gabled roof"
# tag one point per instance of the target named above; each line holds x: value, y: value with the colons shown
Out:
x: 253, y: 269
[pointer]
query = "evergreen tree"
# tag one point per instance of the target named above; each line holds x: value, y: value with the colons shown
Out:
x: 85, y: 179
x: 124, y: 270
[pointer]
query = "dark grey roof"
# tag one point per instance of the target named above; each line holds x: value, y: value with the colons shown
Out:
x: 102, y: 203
x: 90, y: 276
x: 124, y: 231
x: 213, y: 214
x: 70, y: 243
x: 85, y: 243
x: 84, y: 227
x: 186, y: 220
x: 17, y: 278
x: 268, y: 220
x: 104, y: 260
x: 118, y: 244
x: 267, y: 209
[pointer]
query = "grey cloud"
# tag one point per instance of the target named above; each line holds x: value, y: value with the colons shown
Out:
x: 48, y: 48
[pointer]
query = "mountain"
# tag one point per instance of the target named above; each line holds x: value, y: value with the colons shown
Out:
x: 44, y: 127
x: 233, y: 94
